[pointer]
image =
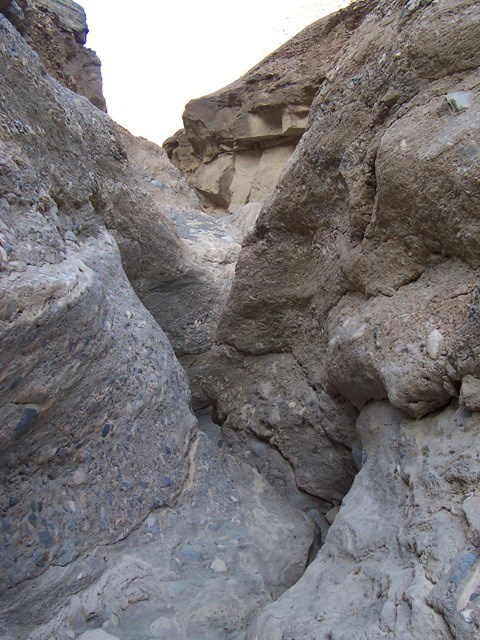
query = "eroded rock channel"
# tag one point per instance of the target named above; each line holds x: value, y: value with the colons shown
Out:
x: 329, y: 325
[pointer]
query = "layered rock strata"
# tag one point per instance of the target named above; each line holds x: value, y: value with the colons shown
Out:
x: 350, y: 337
x: 236, y: 141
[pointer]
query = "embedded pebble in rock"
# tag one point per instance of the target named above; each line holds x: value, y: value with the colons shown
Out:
x: 459, y: 100
x: 96, y: 634
x: 434, y: 342
x: 167, y: 629
x: 470, y: 392
x: 218, y: 565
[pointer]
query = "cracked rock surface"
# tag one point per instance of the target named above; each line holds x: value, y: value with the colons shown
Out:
x: 237, y: 140
x: 355, y: 304
x: 117, y: 518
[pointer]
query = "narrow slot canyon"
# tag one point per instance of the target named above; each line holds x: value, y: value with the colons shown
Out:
x: 239, y: 373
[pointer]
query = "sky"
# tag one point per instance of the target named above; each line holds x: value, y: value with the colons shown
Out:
x: 158, y: 55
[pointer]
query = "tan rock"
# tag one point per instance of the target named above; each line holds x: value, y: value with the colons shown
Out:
x: 264, y: 110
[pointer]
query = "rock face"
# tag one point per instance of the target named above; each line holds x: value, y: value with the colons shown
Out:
x: 236, y: 141
x: 346, y: 368
x: 186, y: 297
x: 93, y: 400
x: 181, y: 267
x: 199, y: 570
x: 353, y: 319
x: 114, y: 510
x: 405, y: 540
x: 57, y: 30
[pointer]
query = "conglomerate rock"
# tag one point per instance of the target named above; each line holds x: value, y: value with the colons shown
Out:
x: 359, y: 285
x: 183, y: 271
x: 198, y: 570
x: 236, y: 141
x: 113, y: 510
x: 93, y: 400
x: 188, y: 304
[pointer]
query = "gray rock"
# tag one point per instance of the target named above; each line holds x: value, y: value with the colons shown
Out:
x: 14, y: 13
x: 470, y: 392
x: 74, y: 437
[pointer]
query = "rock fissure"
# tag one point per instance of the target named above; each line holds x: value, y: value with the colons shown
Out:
x: 336, y: 339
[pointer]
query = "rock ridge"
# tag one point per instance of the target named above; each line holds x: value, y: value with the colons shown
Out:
x: 236, y: 141
x: 57, y: 31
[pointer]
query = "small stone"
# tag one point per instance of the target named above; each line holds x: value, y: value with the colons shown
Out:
x: 45, y: 538
x: 470, y: 392
x: 25, y: 423
x: 79, y: 477
x: 434, y: 342
x: 76, y: 612
x: 391, y: 97
x: 96, y: 634
x: 459, y: 100
x: 105, y: 430
x: 15, y: 15
x: 164, y: 628
x: 332, y: 514
x: 194, y: 555
x: 219, y: 565
x: 150, y: 521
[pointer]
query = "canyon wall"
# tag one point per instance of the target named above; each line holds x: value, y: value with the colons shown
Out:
x: 93, y: 398
x: 348, y: 350
x: 118, y: 518
x: 57, y: 31
x: 236, y: 141
x: 345, y: 372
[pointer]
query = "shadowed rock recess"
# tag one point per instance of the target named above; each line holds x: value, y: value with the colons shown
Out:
x: 337, y: 494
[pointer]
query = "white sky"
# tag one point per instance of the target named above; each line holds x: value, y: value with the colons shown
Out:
x: 158, y: 55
